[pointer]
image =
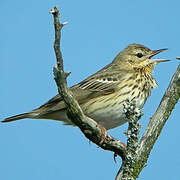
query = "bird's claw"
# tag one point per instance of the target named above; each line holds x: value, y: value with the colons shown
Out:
x: 104, y: 134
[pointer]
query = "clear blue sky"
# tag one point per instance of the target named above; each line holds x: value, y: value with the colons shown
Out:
x: 97, y: 31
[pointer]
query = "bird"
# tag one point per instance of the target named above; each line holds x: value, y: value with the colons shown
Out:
x: 103, y: 95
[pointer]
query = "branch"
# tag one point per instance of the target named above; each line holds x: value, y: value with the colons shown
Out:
x: 136, y: 154
x: 138, y: 160
x: 88, y: 126
x: 133, y: 114
x: 157, y: 121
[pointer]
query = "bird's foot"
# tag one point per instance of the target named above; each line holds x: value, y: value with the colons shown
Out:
x: 104, y: 133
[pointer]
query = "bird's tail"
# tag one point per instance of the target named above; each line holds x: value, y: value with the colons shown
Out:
x: 20, y: 116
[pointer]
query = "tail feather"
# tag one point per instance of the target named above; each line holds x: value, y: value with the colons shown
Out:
x: 18, y: 117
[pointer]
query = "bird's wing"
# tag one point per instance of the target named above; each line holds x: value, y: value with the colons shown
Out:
x: 57, y: 103
x: 101, y: 83
x: 104, y: 83
x: 104, y: 80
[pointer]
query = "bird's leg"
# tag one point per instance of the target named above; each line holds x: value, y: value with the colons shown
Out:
x: 104, y: 133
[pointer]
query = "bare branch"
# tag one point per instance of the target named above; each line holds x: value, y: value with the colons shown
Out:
x: 88, y: 126
x: 159, y: 119
x: 127, y: 168
x: 152, y: 132
x: 136, y: 154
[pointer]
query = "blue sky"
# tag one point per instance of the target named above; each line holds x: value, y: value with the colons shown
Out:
x: 97, y: 31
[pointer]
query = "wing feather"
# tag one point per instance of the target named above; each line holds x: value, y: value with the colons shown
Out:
x: 101, y: 83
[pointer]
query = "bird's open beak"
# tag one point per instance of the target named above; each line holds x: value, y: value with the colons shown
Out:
x: 155, y: 52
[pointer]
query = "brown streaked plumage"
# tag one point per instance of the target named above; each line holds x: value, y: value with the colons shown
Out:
x: 102, y: 96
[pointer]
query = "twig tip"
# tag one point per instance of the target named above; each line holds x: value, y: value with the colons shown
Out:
x: 64, y: 23
x: 54, y: 10
x: 67, y: 73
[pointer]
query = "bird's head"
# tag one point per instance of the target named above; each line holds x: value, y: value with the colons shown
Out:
x: 137, y: 56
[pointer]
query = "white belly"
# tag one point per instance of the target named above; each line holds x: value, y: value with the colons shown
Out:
x: 110, y: 118
x: 111, y: 115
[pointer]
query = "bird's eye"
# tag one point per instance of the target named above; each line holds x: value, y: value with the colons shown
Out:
x: 139, y: 55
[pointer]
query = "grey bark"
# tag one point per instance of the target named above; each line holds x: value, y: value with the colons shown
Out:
x: 136, y: 153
